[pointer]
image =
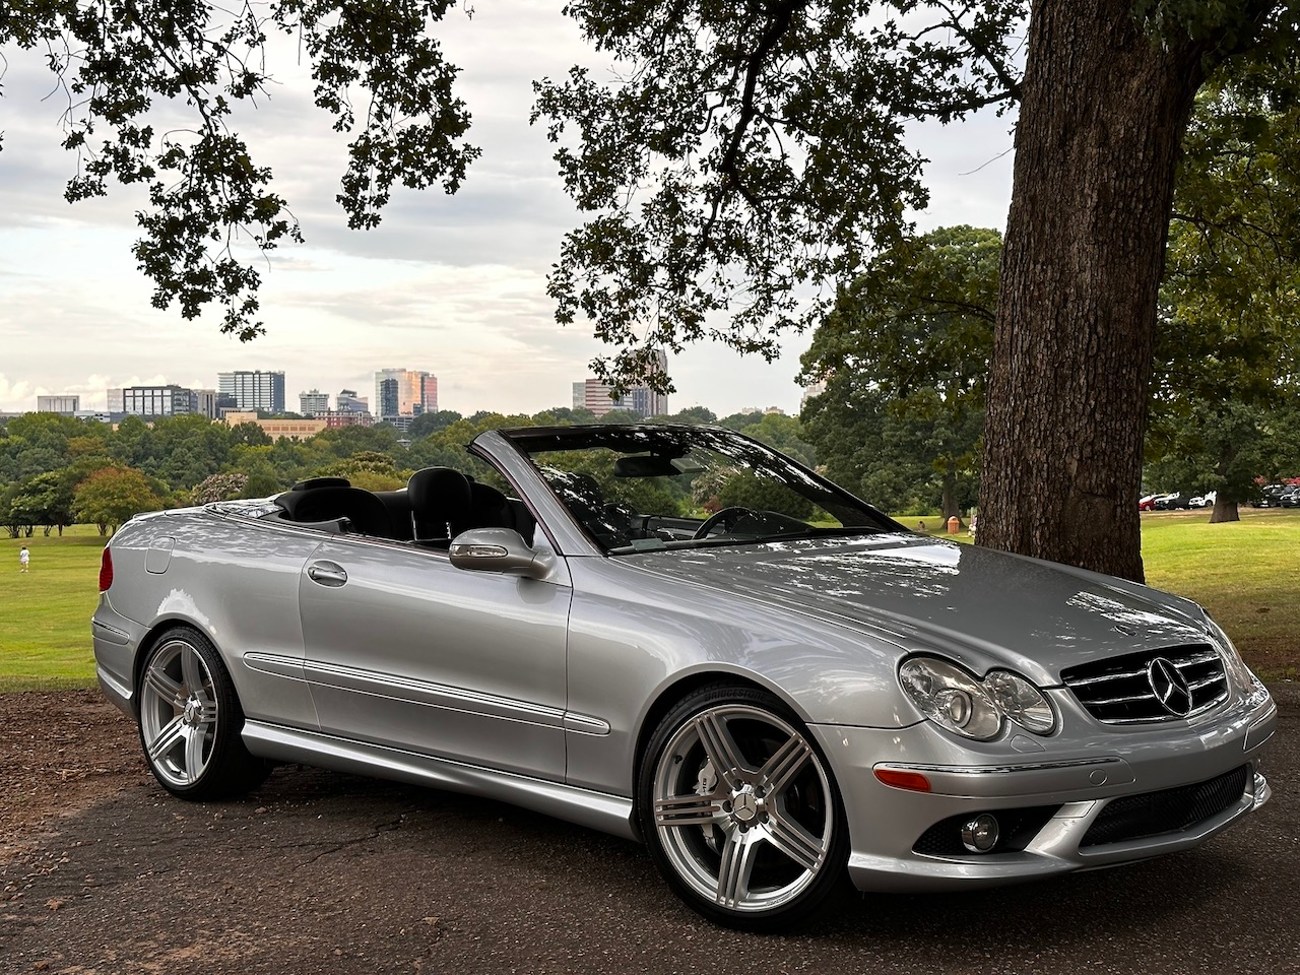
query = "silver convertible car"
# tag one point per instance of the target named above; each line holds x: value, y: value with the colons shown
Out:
x: 682, y: 636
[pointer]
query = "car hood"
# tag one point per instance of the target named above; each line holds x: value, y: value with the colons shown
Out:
x: 982, y: 607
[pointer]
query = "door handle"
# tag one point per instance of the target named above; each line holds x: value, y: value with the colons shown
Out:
x: 327, y: 573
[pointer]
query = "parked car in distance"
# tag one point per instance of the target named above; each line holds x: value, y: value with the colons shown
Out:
x: 1153, y: 502
x: 1203, y: 501
x: 1269, y: 497
x: 1173, y: 502
x: 681, y: 636
x: 1290, y: 498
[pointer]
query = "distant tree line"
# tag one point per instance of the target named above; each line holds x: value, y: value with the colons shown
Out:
x: 57, y: 471
x: 903, y: 357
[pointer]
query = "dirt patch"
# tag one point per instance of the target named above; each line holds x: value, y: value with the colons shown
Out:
x: 317, y: 873
x: 60, y: 751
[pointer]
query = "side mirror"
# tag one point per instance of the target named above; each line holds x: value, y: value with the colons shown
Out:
x: 498, y: 550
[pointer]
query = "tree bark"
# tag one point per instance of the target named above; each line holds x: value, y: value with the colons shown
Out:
x: 948, y: 496
x: 1224, y: 510
x: 1103, y: 112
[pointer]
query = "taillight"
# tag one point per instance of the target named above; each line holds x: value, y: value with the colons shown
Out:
x: 105, y: 570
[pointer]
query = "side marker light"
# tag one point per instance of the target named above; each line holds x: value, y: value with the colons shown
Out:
x: 902, y: 779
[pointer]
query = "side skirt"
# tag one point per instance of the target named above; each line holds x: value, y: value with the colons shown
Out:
x: 597, y: 810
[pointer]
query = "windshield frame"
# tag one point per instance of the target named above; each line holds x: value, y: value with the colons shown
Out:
x: 631, y: 439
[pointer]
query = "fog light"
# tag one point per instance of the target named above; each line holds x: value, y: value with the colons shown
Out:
x: 980, y: 834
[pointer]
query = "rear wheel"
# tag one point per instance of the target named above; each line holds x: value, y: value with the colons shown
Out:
x: 190, y: 720
x: 740, y: 810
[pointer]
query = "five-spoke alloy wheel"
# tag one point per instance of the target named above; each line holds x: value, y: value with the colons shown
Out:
x: 190, y: 720
x: 740, y: 809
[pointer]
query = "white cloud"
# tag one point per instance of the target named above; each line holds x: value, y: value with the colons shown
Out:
x: 15, y: 391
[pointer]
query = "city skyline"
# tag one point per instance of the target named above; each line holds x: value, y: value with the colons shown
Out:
x: 399, y: 392
x: 456, y: 281
x: 87, y: 402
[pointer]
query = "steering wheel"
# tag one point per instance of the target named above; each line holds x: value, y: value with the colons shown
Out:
x: 727, y: 518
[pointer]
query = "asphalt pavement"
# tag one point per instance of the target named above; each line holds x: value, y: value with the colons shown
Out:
x: 319, y: 872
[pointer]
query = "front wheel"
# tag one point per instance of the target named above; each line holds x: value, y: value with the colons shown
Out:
x: 740, y: 810
x: 190, y: 720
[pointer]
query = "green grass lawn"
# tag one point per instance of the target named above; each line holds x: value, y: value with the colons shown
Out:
x: 1244, y: 572
x: 45, y: 614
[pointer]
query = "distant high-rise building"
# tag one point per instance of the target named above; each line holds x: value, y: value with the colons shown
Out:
x: 208, y: 402
x: 254, y: 390
x: 644, y: 401
x: 67, y: 405
x: 415, y: 388
x: 814, y: 389
x: 347, y: 418
x: 170, y: 400
x: 402, y: 422
x: 640, y: 400
x: 647, y: 402
x: 313, y: 403
x: 390, y: 398
x: 348, y: 401
x: 596, y: 398
x: 116, y: 402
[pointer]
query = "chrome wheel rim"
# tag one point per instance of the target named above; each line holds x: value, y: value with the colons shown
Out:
x: 743, y: 808
x: 178, y: 713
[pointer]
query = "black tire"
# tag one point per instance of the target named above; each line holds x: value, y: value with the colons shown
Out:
x: 189, y: 720
x: 757, y: 845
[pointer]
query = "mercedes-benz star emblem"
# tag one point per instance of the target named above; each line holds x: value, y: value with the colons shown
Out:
x: 1170, y: 687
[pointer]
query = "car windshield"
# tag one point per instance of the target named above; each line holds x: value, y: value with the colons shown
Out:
x: 641, y: 488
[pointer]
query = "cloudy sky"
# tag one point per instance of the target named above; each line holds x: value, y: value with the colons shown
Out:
x: 453, y: 285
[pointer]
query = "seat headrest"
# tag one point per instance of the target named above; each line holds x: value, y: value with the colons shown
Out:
x: 437, y: 487
x: 440, y: 502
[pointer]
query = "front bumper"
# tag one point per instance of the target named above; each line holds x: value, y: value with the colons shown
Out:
x: 1069, y: 778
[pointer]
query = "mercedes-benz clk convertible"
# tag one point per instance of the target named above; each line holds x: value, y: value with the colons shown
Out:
x: 681, y: 636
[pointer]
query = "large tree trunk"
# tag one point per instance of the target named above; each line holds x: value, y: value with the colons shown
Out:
x: 1101, y: 119
x: 948, y: 495
x: 1224, y: 510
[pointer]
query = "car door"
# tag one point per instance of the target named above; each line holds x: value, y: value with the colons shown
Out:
x: 407, y: 651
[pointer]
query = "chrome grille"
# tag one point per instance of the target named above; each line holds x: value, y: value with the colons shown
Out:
x: 1119, y: 690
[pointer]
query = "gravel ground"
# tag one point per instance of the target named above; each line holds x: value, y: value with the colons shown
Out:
x: 101, y: 872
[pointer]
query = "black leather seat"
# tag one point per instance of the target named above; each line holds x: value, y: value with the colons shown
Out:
x: 489, y: 508
x: 363, y: 510
x: 399, y: 512
x: 440, y: 503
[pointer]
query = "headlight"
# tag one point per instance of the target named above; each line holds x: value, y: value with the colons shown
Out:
x: 1020, y: 701
x: 951, y: 697
x: 961, y: 702
x: 1242, y: 675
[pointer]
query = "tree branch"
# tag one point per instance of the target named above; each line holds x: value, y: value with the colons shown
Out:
x: 1000, y: 70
